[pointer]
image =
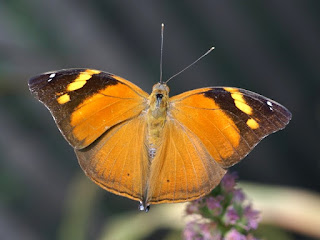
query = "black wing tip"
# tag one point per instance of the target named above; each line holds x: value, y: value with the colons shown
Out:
x: 41, y: 79
x: 283, y: 113
x: 276, y: 105
x: 288, y: 114
x: 37, y: 82
x: 47, y: 75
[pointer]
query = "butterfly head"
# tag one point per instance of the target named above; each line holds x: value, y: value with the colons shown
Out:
x: 159, y: 98
x: 160, y: 95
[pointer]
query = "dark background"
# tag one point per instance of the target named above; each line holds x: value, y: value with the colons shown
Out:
x: 270, y: 47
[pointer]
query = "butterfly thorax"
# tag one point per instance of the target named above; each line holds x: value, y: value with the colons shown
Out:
x: 156, y: 116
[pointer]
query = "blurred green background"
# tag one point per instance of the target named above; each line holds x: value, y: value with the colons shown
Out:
x: 270, y: 47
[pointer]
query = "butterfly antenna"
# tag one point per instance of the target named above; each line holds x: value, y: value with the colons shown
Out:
x: 161, y: 52
x: 205, y: 54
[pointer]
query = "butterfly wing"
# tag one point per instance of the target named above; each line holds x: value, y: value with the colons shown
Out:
x: 208, y: 130
x: 85, y: 102
x: 118, y: 161
x: 229, y: 121
x: 183, y: 169
x: 100, y: 115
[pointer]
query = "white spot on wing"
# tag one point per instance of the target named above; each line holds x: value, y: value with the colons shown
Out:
x: 270, y: 105
x: 52, y: 75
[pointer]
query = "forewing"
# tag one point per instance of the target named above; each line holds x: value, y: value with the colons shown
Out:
x: 85, y: 102
x: 228, y: 121
x: 118, y: 160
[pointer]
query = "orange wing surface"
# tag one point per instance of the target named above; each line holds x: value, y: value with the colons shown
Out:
x: 183, y: 170
x: 118, y: 162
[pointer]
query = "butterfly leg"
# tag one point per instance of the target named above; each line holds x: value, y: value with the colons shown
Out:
x: 144, y: 207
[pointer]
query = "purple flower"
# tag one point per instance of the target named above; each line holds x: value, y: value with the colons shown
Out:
x: 205, y: 229
x: 228, y: 182
x: 233, y: 234
x: 223, y: 213
x: 231, y: 216
x: 238, y: 196
x: 192, y: 208
x: 201, y: 231
x: 209, y: 231
x: 252, y: 217
x: 214, y: 204
x: 189, y: 232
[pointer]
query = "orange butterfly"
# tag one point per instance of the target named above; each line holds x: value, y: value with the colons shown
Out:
x: 152, y: 148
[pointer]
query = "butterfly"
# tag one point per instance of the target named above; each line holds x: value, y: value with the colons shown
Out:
x: 155, y: 148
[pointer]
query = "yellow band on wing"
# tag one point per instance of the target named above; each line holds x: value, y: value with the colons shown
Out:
x: 239, y: 100
x: 81, y: 80
x: 63, y: 99
x: 253, y: 124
